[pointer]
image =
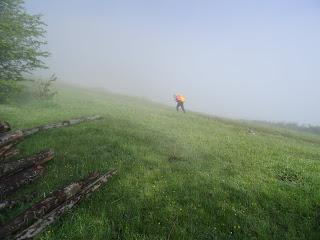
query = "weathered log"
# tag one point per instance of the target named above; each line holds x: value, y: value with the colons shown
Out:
x: 12, y: 183
x: 43, y: 207
x: 8, y: 141
x: 55, y: 214
x: 65, y: 123
x: 7, y: 204
x: 10, y: 137
x: 10, y: 153
x: 10, y: 203
x: 5, y: 151
x: 4, y: 127
x: 11, y: 167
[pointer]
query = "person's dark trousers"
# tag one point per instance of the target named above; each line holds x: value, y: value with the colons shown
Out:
x: 180, y: 104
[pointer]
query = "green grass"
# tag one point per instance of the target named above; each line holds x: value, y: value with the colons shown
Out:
x: 180, y: 176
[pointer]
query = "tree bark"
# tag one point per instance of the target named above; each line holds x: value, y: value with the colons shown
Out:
x: 5, y: 150
x: 12, y: 167
x: 8, y: 142
x: 12, y: 183
x: 10, y: 137
x: 65, y: 123
x: 7, y: 204
x: 56, y: 213
x: 9, y: 153
x: 10, y: 203
x: 4, y: 127
x: 39, y: 209
x: 44, y: 207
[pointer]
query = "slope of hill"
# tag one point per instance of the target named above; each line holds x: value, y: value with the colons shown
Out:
x: 180, y: 176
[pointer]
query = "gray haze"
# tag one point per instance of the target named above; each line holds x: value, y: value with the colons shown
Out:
x: 240, y: 59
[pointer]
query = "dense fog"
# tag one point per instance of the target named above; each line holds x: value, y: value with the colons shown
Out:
x: 241, y: 59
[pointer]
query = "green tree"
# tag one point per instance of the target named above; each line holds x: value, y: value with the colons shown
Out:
x: 21, y: 42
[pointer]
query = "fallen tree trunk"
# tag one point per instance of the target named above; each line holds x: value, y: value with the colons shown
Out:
x: 10, y: 138
x: 7, y: 204
x: 6, y: 150
x: 55, y: 214
x: 43, y: 207
x: 65, y: 123
x: 10, y: 203
x: 12, y: 167
x: 7, y: 143
x: 10, y: 153
x: 4, y: 127
x: 12, y: 183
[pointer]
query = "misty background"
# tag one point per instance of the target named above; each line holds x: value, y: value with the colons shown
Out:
x: 240, y: 59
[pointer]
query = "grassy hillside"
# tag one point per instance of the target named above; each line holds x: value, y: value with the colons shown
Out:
x: 180, y: 176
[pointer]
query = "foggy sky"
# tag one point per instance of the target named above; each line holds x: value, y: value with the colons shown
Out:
x: 240, y: 59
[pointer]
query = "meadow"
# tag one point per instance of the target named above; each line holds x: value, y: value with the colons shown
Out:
x: 180, y: 176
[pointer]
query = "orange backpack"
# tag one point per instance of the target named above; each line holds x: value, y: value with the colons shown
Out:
x: 180, y: 98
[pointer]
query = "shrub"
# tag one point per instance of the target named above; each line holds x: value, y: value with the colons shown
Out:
x: 44, y: 88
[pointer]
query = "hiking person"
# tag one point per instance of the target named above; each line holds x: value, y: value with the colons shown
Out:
x: 180, y: 102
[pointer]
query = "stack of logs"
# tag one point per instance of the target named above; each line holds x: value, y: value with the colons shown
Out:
x: 8, y: 140
x: 15, y: 173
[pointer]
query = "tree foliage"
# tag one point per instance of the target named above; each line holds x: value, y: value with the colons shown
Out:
x: 8, y: 88
x: 21, y: 41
